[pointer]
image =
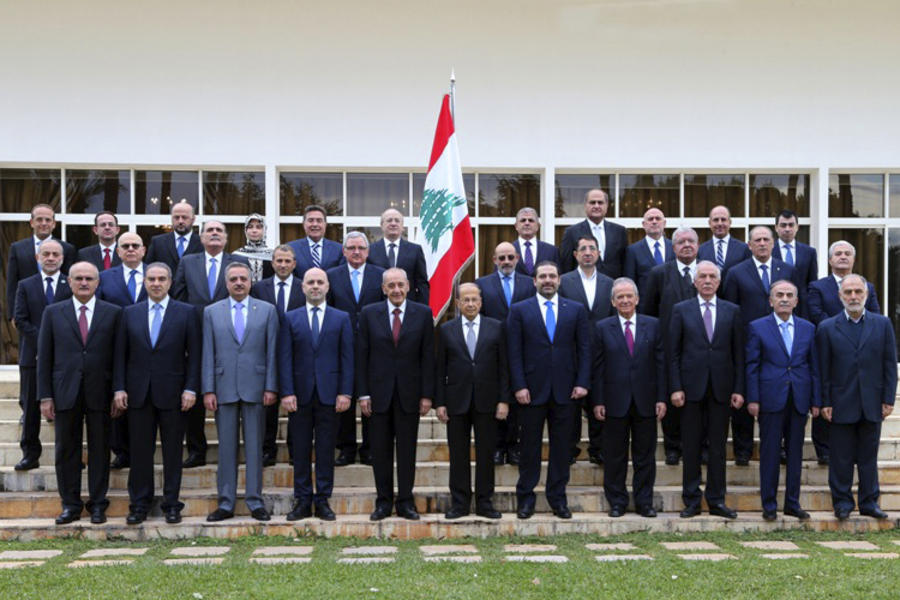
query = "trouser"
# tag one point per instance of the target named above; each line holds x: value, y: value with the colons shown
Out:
x: 251, y: 417
x: 387, y: 429
x: 741, y: 432
x: 311, y: 426
x: 789, y: 425
x: 559, y: 421
x: 854, y: 443
x: 508, y: 430
x: 716, y: 416
x: 346, y: 434
x: 194, y: 434
x: 143, y: 423
x: 30, y: 442
x: 459, y: 435
x: 69, y: 424
x: 595, y: 429
x: 641, y: 432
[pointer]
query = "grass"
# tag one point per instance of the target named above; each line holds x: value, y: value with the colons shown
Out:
x: 826, y: 574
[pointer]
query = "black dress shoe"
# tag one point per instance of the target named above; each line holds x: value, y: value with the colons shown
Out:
x: 875, y: 513
x: 135, y: 518
x: 672, y: 458
x: 797, y: 512
x: 720, y: 510
x: 219, y: 514
x: 268, y: 460
x: 647, y: 511
x: 499, y: 457
x: 562, y: 512
x: 300, y: 510
x: 823, y: 460
x: 120, y: 462
x: 512, y: 457
x: 324, y: 512
x: 488, y: 512
x: 770, y: 515
x: 380, y: 513
x: 616, y: 511
x: 173, y: 515
x: 456, y: 512
x: 26, y: 464
x: 842, y: 514
x: 690, y: 511
x: 344, y: 459
x: 260, y: 514
x: 408, y: 512
x: 194, y: 460
x: 596, y: 458
x: 742, y: 461
x: 365, y: 458
x: 68, y: 515
x: 98, y: 516
x: 525, y: 510
x: 783, y: 456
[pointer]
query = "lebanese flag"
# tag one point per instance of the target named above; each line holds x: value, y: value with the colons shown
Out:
x: 444, y: 231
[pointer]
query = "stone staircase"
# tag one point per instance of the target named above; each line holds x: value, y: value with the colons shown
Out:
x: 29, y: 501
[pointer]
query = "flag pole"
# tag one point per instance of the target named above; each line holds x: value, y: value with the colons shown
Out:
x: 453, y: 116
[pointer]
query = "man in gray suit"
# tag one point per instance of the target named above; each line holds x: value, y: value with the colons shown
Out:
x: 239, y: 342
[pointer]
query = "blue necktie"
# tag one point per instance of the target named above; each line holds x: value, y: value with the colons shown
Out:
x: 550, y: 321
x: 786, y: 336
x: 315, y: 255
x: 765, y: 276
x: 132, y: 285
x: 788, y: 255
x: 49, y: 290
x: 180, y: 246
x: 720, y: 256
x: 507, y: 290
x: 239, y: 322
x: 280, y: 300
x: 657, y: 255
x: 315, y: 325
x: 155, y: 324
x: 211, y: 278
x: 354, y: 281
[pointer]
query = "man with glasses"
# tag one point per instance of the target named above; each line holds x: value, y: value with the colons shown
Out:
x: 103, y: 254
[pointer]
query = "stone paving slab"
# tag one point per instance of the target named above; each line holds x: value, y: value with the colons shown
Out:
x: 886, y: 555
x: 280, y: 560
x: 366, y: 560
x: 20, y: 564
x: 28, y: 554
x: 75, y: 564
x: 193, y: 561
x: 454, y: 559
x: 103, y: 552
x: 370, y: 550
x: 283, y: 550
x: 610, y: 547
x: 689, y: 546
x: 529, y: 548
x: 200, y: 550
x: 710, y: 557
x: 782, y: 555
x: 851, y: 545
x: 620, y: 557
x: 448, y: 549
x: 536, y: 558
x: 771, y: 545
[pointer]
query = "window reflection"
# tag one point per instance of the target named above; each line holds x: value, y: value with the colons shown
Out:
x: 703, y: 192
x: 299, y: 190
x: 637, y: 193
x: 155, y: 192
x: 89, y: 192
x: 370, y: 194
x: 855, y: 195
x: 82, y: 236
x: 571, y: 189
x: 636, y: 234
x: 234, y: 193
x: 894, y: 198
x: 419, y: 190
x: 503, y: 195
x: 21, y: 189
x: 772, y: 193
x: 738, y: 233
x: 892, y: 310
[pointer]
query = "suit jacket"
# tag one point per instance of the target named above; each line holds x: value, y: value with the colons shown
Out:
x: 463, y: 379
x: 163, y: 248
x: 736, y: 252
x: 332, y: 255
x: 31, y: 300
x: 66, y: 365
x: 266, y: 291
x: 695, y: 363
x: 158, y: 374
x: 570, y: 287
x: 857, y: 378
x: 772, y: 372
x: 639, y: 261
x: 493, y: 300
x: 340, y: 291
x: 613, y: 257
x: 22, y: 263
x: 113, y: 288
x: 190, y: 284
x: 239, y: 371
x: 823, y: 299
x: 548, y: 368
x: 544, y: 252
x: 93, y: 255
x: 622, y: 379
x: 406, y: 369
x: 308, y: 367
x: 806, y: 263
x: 665, y: 287
x: 411, y: 259
x: 743, y: 286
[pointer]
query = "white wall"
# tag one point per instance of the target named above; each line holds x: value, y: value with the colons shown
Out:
x: 603, y: 84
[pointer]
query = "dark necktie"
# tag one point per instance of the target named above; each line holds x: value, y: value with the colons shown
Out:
x: 132, y: 285
x: 657, y: 255
x: 315, y: 325
x: 687, y: 277
x: 107, y: 261
x: 392, y: 255
x: 49, y: 290
x: 395, y: 326
x: 788, y: 255
x: 765, y: 276
x: 281, y: 305
x: 708, y: 321
x: 211, y: 278
x: 629, y: 338
x: 315, y: 255
x: 83, y: 325
x: 529, y: 258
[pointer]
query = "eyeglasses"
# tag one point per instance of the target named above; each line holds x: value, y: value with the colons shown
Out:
x: 130, y: 246
x: 506, y: 257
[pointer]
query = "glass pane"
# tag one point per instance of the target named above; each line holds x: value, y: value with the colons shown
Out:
x: 148, y: 231
x: 89, y: 192
x: 504, y: 195
x: 294, y: 231
x: 570, y: 191
x: 636, y: 234
x: 855, y: 195
x: 10, y: 231
x: 370, y: 194
x: 869, y: 244
x: 703, y: 192
x: 637, y: 193
x: 21, y: 189
x: 894, y: 198
x: 770, y: 194
x: 892, y: 310
x: 230, y: 193
x: 419, y: 189
x: 82, y: 236
x: 374, y: 233
x: 299, y: 190
x: 156, y: 191
x: 489, y: 237
x: 705, y: 233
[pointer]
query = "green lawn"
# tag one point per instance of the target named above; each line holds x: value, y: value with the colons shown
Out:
x: 826, y: 574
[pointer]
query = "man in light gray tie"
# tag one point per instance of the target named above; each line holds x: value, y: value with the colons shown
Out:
x: 240, y: 335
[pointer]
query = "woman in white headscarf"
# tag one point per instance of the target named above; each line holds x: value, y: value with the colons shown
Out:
x: 255, y: 250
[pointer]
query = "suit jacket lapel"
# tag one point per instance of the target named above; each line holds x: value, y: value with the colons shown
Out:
x: 618, y: 335
x: 69, y: 315
x: 456, y: 334
x: 62, y: 286
x: 868, y: 327
x: 96, y: 321
x: 775, y: 331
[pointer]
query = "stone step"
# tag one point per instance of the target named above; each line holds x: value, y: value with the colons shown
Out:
x: 431, y: 526
x: 432, y: 474
x: 361, y: 501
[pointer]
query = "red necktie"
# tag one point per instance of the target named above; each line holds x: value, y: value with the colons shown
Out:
x: 395, y: 329
x: 107, y: 263
x: 82, y: 325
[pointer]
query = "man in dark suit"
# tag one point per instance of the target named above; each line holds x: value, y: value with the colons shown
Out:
x: 611, y: 238
x: 314, y: 250
x: 199, y: 281
x: 531, y: 250
x: 722, y: 249
x: 33, y: 295
x: 747, y: 285
x: 549, y: 342
x: 156, y: 377
x: 238, y: 378
x: 315, y: 372
x: 667, y: 285
x: 499, y: 291
x: 22, y: 261
x: 472, y: 391
x: 351, y: 287
x: 393, y: 251
x: 284, y: 291
x: 395, y: 383
x: 103, y: 254
x: 858, y: 363
x: 171, y: 247
x: 705, y: 352
x: 654, y: 250
x: 629, y: 395
x: 74, y: 372
x: 782, y: 387
x: 592, y: 289
x: 798, y: 255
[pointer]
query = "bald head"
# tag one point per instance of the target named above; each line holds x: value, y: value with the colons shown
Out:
x: 130, y: 249
x: 505, y: 258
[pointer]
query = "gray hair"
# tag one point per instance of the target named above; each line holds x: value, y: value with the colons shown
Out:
x: 834, y: 245
x: 391, y: 271
x: 682, y: 231
x: 235, y: 265
x: 159, y: 265
x: 703, y: 263
x: 623, y: 281
x: 357, y: 234
x: 285, y: 248
x: 527, y: 209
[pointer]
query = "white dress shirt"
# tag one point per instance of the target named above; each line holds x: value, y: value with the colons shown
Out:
x: 599, y: 232
x: 309, y: 314
x: 90, y: 309
x: 716, y: 244
x: 391, y: 308
x: 543, y: 307
x: 138, y: 278
x: 55, y: 283
x: 151, y: 312
x: 387, y: 247
x: 362, y: 274
x: 651, y: 243
x: 287, y: 288
x: 632, y: 320
x: 589, y: 283
x: 112, y: 251
x: 187, y: 238
x: 218, y: 258
x: 693, y: 267
x: 244, y: 304
x: 768, y: 265
x: 476, y: 323
x: 712, y: 308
